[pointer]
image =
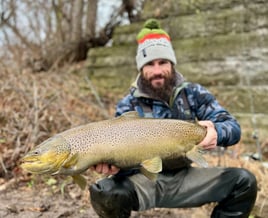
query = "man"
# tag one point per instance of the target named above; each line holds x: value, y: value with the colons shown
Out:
x: 161, y: 92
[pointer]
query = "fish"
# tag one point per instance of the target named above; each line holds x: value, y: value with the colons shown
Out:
x: 128, y: 142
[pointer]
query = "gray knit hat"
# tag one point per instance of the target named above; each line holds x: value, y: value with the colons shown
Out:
x: 153, y: 43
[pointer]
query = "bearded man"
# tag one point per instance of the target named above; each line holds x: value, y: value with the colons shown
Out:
x: 161, y: 92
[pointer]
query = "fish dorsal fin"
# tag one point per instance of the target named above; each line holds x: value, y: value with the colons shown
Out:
x: 71, y: 162
x: 151, y: 167
x: 196, y: 156
x: 130, y: 114
x: 80, y: 181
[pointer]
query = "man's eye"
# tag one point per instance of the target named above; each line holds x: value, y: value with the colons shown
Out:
x: 163, y: 62
x: 149, y: 64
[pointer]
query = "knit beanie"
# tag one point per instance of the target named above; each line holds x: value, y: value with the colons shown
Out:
x: 153, y: 43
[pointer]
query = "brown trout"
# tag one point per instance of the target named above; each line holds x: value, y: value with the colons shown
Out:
x: 128, y: 141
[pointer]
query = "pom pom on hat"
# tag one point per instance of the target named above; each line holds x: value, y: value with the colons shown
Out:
x: 151, y: 27
x: 152, y: 24
x: 153, y: 43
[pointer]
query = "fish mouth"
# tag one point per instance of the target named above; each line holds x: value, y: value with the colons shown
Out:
x: 40, y: 169
x: 30, y: 160
x: 34, y: 165
x: 25, y: 160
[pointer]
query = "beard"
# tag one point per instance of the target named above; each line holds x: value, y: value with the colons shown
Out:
x: 160, y: 92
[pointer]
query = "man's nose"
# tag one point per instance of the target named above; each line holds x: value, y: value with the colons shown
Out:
x: 157, y: 68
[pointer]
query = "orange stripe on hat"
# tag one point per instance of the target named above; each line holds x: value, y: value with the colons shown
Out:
x: 153, y: 36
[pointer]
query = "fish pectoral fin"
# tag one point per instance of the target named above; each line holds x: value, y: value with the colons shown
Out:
x: 149, y: 175
x: 153, y: 165
x: 196, y: 156
x: 71, y: 162
x: 80, y: 181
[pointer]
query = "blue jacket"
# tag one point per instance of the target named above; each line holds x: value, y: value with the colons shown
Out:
x: 190, y: 101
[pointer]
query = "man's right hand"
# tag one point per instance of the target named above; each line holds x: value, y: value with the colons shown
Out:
x: 106, y: 169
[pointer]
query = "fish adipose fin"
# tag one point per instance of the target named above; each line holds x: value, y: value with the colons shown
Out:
x: 151, y: 167
x: 196, y: 156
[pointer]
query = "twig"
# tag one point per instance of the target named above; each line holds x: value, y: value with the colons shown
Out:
x: 262, y: 205
x: 97, y: 97
x: 66, y: 116
x: 36, y: 114
x: 53, y: 98
x: 3, y: 165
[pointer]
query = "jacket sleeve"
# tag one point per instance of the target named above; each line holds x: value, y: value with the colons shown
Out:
x: 208, y: 108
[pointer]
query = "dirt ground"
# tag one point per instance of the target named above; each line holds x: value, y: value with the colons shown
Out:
x: 39, y: 203
x: 31, y: 196
x: 47, y: 201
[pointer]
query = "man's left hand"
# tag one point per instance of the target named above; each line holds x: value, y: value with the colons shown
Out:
x: 210, y: 140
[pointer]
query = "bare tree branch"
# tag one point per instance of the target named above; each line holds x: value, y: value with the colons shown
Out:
x: 57, y: 31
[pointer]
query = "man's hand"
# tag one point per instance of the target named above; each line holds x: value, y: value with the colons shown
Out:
x: 210, y: 140
x: 106, y: 169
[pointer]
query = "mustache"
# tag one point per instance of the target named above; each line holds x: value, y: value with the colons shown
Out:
x: 160, y: 76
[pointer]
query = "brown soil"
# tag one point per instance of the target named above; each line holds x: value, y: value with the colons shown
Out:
x: 45, y: 196
x: 20, y: 199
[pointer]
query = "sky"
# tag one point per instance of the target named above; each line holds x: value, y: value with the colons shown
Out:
x: 105, y: 10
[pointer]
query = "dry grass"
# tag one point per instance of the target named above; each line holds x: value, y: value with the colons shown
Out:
x: 33, y: 107
x: 36, y: 106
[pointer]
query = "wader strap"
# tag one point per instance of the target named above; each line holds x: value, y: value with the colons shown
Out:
x: 186, y: 115
x: 147, y: 110
x: 144, y: 110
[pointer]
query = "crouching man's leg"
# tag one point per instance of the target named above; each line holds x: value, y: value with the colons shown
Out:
x: 114, y: 197
x: 240, y: 195
x: 234, y: 189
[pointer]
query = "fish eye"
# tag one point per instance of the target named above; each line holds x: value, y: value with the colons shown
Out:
x: 36, y: 152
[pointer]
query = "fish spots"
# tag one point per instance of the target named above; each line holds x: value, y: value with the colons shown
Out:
x: 114, y: 136
x: 60, y: 144
x: 125, y: 143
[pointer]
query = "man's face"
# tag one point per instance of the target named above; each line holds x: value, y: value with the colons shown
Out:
x: 158, y: 79
x: 157, y: 72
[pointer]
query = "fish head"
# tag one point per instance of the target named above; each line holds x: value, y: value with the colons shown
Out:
x: 47, y: 157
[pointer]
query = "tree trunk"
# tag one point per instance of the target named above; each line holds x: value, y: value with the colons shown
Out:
x: 57, y: 8
x: 77, y: 17
x: 90, y: 29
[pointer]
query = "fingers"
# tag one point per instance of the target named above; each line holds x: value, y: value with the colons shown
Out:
x: 209, y: 147
x: 106, y: 169
x: 210, y: 140
x: 114, y: 170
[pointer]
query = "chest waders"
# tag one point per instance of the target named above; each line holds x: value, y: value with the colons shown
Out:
x: 234, y: 189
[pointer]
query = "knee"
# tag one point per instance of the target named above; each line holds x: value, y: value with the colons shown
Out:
x: 247, y: 177
x: 101, y: 191
x: 245, y: 181
x: 110, y: 191
x: 104, y: 191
